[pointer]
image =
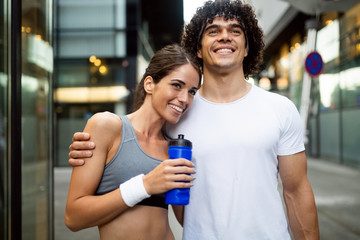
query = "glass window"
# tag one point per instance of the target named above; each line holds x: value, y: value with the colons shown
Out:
x: 350, y: 45
x: 86, y: 14
x: 92, y: 71
x: 350, y: 34
x: 72, y: 74
x: 330, y: 139
x: 296, y: 73
x: 350, y: 86
x: 327, y: 42
x: 329, y: 91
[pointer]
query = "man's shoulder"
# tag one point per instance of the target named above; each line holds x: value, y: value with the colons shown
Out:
x: 271, y: 97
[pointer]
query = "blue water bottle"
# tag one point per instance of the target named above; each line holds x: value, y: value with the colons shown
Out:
x: 179, y: 148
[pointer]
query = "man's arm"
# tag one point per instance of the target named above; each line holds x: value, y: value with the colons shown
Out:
x: 80, y: 149
x: 298, y: 196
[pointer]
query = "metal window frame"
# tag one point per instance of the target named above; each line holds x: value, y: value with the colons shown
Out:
x: 14, y: 121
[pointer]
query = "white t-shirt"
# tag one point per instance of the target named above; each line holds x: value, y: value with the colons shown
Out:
x: 235, y: 149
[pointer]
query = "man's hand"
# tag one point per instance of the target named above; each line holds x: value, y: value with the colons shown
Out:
x: 80, y: 149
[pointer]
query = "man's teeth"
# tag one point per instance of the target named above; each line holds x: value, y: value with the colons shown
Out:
x: 223, y: 50
x: 177, y: 108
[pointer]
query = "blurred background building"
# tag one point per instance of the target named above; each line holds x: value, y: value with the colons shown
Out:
x: 333, y: 120
x: 61, y: 61
x: 102, y: 48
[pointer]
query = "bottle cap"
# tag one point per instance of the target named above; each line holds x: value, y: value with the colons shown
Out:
x: 180, y: 142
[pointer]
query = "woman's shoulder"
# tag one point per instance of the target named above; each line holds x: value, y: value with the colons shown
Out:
x: 105, y: 117
x: 106, y: 121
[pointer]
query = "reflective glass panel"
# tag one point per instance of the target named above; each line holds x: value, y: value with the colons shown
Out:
x: 37, y: 67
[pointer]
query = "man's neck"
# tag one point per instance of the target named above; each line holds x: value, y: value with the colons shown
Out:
x: 224, y: 88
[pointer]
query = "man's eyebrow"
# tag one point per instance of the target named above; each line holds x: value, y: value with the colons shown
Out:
x: 233, y: 25
x: 236, y: 25
x: 211, y: 27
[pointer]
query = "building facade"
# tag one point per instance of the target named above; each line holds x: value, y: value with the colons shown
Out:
x: 102, y: 49
x: 332, y: 123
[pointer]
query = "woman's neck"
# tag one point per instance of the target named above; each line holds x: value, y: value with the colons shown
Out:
x: 147, y: 122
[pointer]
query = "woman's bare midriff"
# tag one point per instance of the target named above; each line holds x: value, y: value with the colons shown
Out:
x: 139, y: 222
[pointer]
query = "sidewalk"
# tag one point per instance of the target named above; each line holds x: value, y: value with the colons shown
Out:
x: 61, y: 184
x: 336, y: 189
x: 337, y: 196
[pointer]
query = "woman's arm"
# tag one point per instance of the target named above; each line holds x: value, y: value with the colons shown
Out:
x: 83, y: 209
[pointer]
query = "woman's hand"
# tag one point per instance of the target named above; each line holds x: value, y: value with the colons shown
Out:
x: 170, y: 174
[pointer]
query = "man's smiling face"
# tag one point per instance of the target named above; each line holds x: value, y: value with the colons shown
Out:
x: 223, y: 44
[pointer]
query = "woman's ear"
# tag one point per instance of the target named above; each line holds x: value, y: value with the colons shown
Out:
x: 148, y: 84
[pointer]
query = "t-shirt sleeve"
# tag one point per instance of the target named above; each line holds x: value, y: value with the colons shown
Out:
x: 291, y: 140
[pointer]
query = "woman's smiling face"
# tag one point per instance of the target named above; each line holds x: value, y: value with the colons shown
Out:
x: 174, y: 94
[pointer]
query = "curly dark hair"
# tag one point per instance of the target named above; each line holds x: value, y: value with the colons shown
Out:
x: 243, y: 13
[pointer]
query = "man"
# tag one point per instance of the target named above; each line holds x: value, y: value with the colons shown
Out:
x: 243, y: 137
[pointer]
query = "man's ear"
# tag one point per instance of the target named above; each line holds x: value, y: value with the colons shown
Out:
x: 148, y: 84
x: 199, y: 54
x: 246, y: 53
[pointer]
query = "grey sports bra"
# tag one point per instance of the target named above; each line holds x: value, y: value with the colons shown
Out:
x: 130, y: 160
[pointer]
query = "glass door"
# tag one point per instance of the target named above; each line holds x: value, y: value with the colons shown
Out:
x: 36, y: 119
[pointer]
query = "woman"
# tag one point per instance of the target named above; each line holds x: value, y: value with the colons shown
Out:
x: 130, y: 146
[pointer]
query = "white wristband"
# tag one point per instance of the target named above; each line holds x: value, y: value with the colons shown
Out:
x: 133, y: 190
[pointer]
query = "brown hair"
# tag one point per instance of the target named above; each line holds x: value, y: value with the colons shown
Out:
x: 162, y: 64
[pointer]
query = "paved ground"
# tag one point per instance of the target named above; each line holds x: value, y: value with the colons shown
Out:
x: 61, y: 184
x: 337, y: 196
x: 336, y: 189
